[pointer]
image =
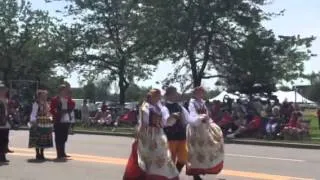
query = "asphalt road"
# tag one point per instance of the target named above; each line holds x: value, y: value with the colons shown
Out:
x: 104, y: 158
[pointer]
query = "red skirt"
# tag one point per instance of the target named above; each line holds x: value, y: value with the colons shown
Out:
x: 133, y: 171
x: 214, y: 170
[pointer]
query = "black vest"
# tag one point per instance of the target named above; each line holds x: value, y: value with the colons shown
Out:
x: 178, y: 130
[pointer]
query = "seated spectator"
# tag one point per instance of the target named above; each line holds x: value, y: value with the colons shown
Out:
x: 294, y: 130
x: 227, y: 123
x: 216, y: 113
x: 272, y: 127
x: 104, y: 117
x: 251, y: 127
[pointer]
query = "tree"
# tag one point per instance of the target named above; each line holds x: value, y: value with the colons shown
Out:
x: 262, y: 61
x: 205, y: 35
x: 136, y: 93
x: 200, y: 33
x: 30, y: 43
x: 90, y: 91
x: 109, y: 44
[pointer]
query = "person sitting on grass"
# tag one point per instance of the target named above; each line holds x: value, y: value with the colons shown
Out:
x: 104, y: 117
x: 249, y: 128
x: 293, y: 130
x: 272, y: 127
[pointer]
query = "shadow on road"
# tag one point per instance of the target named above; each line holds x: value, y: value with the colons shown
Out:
x: 4, y: 163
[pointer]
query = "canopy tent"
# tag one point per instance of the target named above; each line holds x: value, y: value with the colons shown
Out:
x: 222, y: 96
x: 292, y: 96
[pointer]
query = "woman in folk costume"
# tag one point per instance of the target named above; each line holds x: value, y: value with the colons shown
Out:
x: 4, y: 123
x: 150, y: 158
x: 205, y: 140
x: 41, y: 124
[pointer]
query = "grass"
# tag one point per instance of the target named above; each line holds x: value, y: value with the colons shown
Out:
x: 314, y: 126
x: 308, y: 115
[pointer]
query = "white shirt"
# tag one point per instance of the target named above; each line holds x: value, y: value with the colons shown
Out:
x: 193, y: 113
x: 185, y: 115
x: 144, y: 117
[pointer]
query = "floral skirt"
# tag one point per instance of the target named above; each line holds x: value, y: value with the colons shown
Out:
x: 41, y: 136
x: 205, y: 149
x: 150, y: 158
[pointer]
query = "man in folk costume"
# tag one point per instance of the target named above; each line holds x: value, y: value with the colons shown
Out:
x: 41, y: 125
x: 176, y: 133
x: 4, y: 124
x: 205, y: 140
x: 73, y: 119
x: 150, y: 158
x: 62, y: 108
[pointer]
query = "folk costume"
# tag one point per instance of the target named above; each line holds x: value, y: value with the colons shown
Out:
x: 150, y: 158
x: 62, y: 110
x: 4, y: 126
x: 41, y: 126
x: 205, y: 142
x: 176, y: 134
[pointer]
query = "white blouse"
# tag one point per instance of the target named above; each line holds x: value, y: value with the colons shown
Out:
x: 145, y: 112
x: 193, y: 114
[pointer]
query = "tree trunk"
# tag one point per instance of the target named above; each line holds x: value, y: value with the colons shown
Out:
x: 123, y: 84
x: 197, y: 82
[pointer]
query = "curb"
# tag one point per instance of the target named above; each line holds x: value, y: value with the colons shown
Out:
x: 227, y: 141
x: 104, y: 133
x: 273, y: 144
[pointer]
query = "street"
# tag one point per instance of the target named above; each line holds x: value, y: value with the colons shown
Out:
x: 104, y: 158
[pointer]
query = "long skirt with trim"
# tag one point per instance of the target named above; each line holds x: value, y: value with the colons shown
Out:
x: 205, y: 149
x: 150, y: 158
x: 40, y: 136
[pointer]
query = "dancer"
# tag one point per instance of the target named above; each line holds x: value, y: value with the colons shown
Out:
x: 205, y: 140
x: 176, y: 133
x: 4, y: 124
x: 62, y: 108
x: 73, y: 119
x: 41, y: 125
x: 150, y: 158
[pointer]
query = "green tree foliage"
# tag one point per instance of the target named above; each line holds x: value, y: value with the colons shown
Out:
x: 201, y: 36
x: 262, y: 61
x: 108, y: 41
x: 90, y: 91
x: 136, y: 93
x: 30, y: 44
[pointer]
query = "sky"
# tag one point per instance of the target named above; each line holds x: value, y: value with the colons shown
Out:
x: 300, y: 17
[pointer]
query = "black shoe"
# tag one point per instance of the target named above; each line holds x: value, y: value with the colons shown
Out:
x: 66, y: 156
x: 38, y: 157
x: 197, y: 177
x: 9, y: 151
x: 3, y: 159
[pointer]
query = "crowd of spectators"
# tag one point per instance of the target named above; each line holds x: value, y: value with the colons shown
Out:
x: 259, y: 118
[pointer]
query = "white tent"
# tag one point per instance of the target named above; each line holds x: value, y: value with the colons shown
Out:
x: 222, y: 95
x: 292, y: 96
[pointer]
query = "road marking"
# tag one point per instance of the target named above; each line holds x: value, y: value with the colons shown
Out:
x: 265, y: 157
x: 122, y: 162
x: 119, y: 159
x: 260, y: 175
